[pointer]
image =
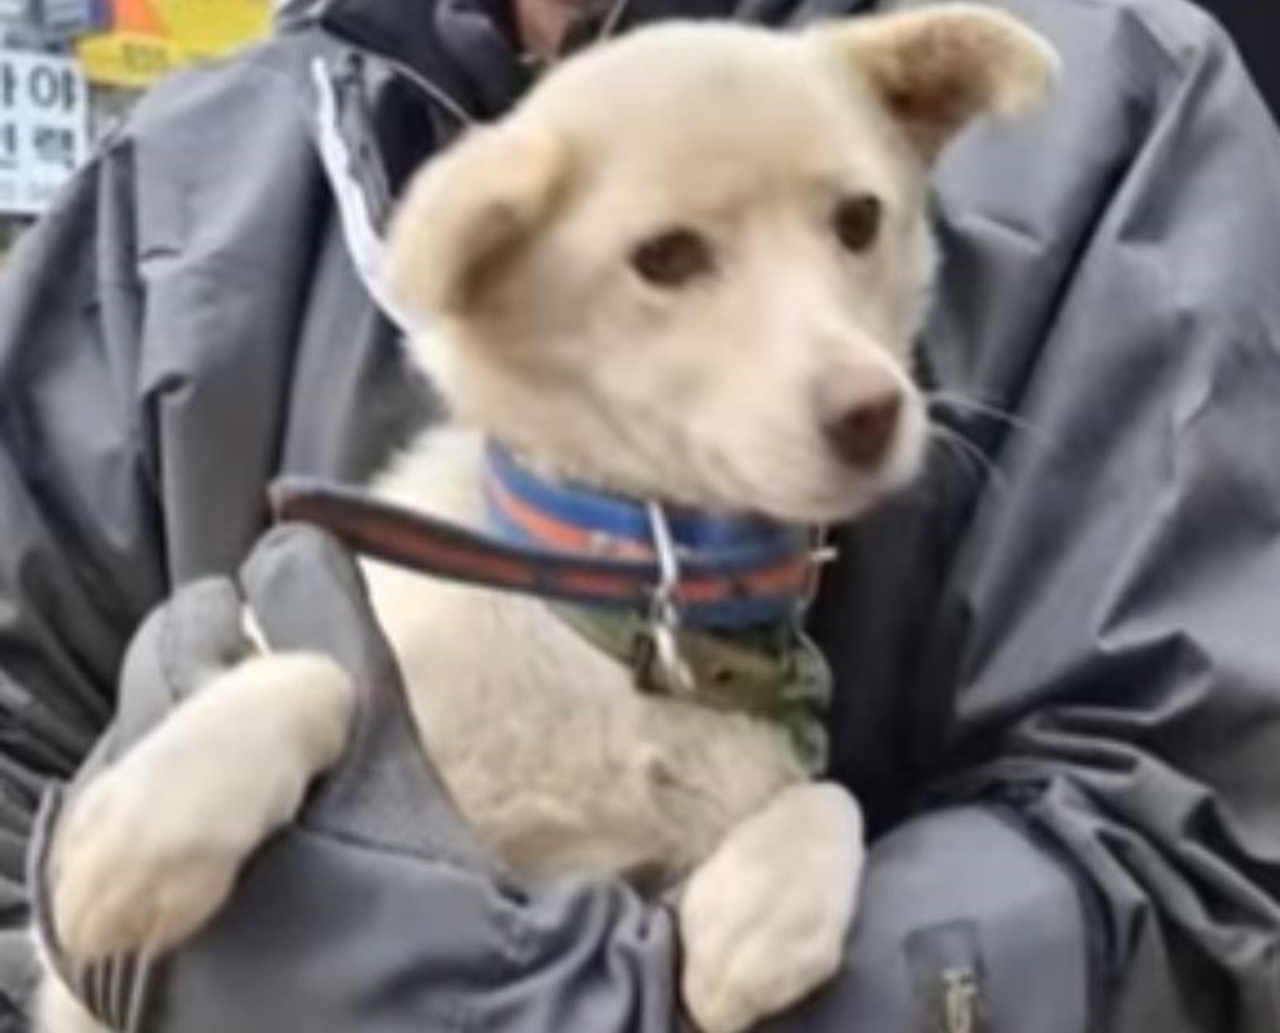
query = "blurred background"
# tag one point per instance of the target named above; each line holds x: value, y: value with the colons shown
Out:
x: 70, y: 68
x: 1255, y: 24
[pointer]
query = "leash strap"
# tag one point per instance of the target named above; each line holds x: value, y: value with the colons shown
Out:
x: 714, y: 589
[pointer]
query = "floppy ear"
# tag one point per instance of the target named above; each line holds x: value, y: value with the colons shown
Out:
x: 466, y: 214
x: 938, y: 67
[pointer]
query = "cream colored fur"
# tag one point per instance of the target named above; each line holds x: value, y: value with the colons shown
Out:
x: 514, y: 249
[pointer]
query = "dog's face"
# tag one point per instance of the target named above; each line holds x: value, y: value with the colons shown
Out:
x: 691, y: 264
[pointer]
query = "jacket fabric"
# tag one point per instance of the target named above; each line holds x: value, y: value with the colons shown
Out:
x: 1058, y: 678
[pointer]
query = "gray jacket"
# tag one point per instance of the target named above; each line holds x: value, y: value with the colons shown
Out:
x: 1058, y: 663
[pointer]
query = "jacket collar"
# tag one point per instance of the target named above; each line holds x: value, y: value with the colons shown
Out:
x: 467, y: 47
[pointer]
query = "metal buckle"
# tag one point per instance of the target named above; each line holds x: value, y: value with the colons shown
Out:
x: 664, y: 609
x: 821, y: 553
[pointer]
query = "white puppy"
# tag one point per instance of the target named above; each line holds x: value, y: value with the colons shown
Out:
x: 688, y: 268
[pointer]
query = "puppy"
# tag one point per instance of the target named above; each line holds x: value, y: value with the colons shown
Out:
x: 684, y: 275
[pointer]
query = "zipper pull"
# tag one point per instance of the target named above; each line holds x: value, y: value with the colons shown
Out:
x: 960, y: 1001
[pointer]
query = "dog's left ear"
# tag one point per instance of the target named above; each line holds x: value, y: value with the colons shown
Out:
x: 467, y: 214
x: 936, y: 68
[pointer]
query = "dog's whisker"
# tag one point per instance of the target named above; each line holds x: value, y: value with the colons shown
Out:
x: 972, y: 455
x: 952, y: 400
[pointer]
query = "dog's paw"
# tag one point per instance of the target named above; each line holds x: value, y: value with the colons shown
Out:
x: 135, y: 867
x: 764, y: 920
x: 149, y: 851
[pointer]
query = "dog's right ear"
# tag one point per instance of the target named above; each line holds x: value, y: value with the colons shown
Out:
x: 467, y: 214
x: 937, y: 67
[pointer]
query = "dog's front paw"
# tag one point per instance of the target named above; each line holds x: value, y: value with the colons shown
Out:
x: 134, y: 867
x: 149, y: 850
x: 764, y: 920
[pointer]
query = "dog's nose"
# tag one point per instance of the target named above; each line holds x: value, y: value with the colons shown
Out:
x: 864, y: 432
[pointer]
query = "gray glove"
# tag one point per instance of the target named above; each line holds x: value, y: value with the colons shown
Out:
x: 376, y: 911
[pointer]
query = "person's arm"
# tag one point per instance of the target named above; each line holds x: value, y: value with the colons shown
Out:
x: 149, y: 324
x: 1100, y: 848
x: 79, y: 556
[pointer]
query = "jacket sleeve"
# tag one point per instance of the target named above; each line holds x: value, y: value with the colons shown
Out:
x: 1100, y: 845
x: 144, y: 393
x: 79, y: 558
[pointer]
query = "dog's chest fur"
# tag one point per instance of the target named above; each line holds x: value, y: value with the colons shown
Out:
x: 549, y: 749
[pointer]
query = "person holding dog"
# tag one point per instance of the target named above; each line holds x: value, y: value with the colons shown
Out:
x: 1058, y: 690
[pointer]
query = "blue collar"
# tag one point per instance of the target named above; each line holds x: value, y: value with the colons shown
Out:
x: 570, y: 545
x: 531, y: 512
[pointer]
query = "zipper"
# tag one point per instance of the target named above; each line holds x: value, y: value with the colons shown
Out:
x: 947, y: 977
x: 961, y: 1000
x: 1015, y: 802
x: 354, y: 123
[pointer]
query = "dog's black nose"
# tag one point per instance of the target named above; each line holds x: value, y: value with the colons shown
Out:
x: 863, y: 434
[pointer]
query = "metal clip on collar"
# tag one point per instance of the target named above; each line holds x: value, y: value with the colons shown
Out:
x: 664, y: 611
x: 821, y: 552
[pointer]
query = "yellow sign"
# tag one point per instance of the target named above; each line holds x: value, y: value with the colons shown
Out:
x: 154, y: 37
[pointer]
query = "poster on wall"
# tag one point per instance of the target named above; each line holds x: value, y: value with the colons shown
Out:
x: 66, y: 20
x: 148, y: 39
x: 44, y: 129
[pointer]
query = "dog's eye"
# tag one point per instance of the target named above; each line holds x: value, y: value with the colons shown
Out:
x: 857, y: 222
x: 673, y: 258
